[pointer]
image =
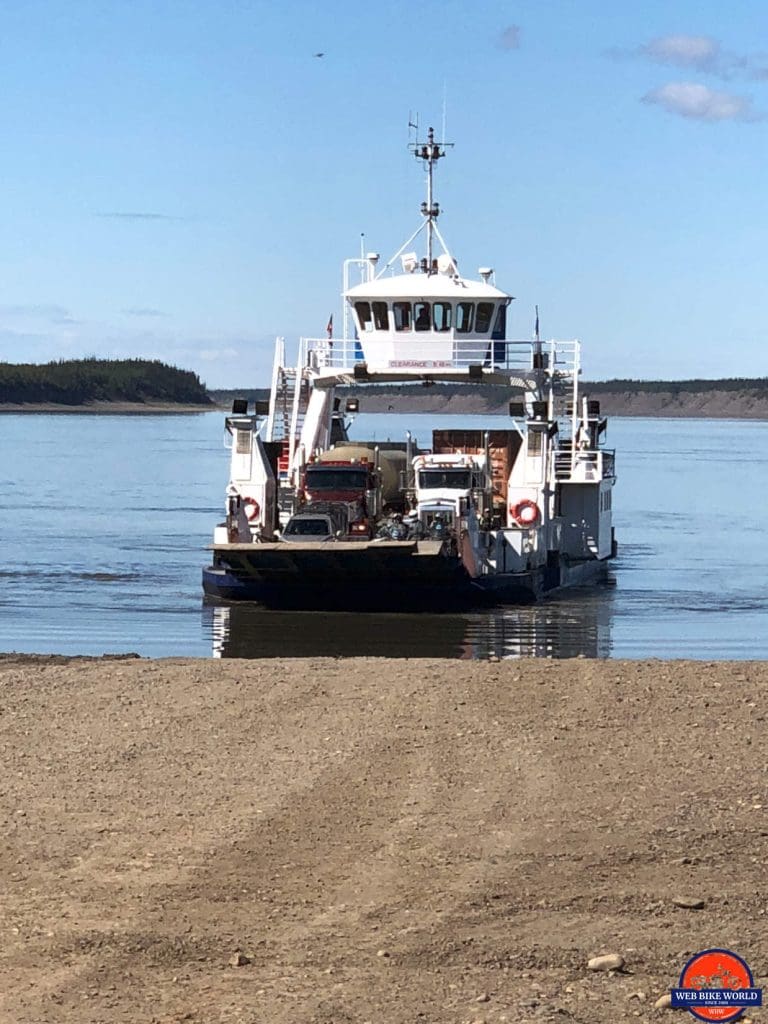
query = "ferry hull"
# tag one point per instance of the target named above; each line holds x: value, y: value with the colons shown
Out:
x: 399, y: 576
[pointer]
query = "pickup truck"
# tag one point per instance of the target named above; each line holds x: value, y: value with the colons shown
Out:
x: 316, y: 524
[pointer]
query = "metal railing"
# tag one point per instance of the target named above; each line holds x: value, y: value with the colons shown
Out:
x: 584, y: 465
x: 430, y: 351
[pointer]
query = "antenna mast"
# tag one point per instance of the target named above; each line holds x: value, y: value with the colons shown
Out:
x: 429, y: 153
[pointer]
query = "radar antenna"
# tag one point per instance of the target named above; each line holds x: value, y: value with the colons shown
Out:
x: 429, y: 153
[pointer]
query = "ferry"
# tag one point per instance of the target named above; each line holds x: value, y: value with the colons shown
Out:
x: 314, y: 519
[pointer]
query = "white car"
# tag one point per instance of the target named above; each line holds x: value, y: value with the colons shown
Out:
x: 312, y: 527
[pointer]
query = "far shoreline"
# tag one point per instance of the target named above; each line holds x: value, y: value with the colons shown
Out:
x: 714, y: 405
x: 109, y: 408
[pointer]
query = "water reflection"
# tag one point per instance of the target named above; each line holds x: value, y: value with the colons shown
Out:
x: 572, y: 626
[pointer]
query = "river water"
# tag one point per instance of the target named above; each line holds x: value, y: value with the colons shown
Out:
x: 104, y: 522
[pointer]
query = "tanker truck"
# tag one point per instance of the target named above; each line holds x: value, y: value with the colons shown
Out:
x: 365, y: 477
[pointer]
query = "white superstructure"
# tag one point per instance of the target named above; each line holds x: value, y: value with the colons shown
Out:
x: 535, y: 496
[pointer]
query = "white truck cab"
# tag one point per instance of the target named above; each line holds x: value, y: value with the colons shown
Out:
x: 444, y: 484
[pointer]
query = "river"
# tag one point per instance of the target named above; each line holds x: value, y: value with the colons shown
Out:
x: 105, y: 520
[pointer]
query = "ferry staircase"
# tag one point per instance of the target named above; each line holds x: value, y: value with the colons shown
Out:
x: 289, y: 398
x: 564, y: 378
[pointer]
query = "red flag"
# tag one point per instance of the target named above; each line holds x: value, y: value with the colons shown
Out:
x: 329, y: 328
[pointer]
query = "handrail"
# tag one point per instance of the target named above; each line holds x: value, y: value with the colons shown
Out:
x: 584, y: 465
x: 277, y: 364
x: 449, y: 351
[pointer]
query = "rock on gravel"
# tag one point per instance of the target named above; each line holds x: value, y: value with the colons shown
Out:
x: 607, y: 962
x: 239, y: 959
x: 688, y: 902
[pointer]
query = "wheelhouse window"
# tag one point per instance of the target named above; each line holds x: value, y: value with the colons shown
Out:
x: 500, y: 326
x: 432, y: 479
x: 483, y: 318
x: 465, y: 312
x: 421, y: 316
x: 363, y: 310
x: 499, y: 334
x: 380, y: 318
x: 442, y: 316
x: 402, y: 311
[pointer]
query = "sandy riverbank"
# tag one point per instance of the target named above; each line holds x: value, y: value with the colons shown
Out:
x: 748, y: 404
x: 108, y: 408
x: 383, y: 841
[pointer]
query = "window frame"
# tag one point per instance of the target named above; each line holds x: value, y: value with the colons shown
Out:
x: 421, y: 306
x: 366, y: 325
x: 400, y: 307
x: 447, y: 320
x: 470, y: 318
x: 380, y: 315
x: 490, y: 310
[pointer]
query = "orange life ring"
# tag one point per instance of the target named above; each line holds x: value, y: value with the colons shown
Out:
x: 526, y: 512
x: 251, y: 508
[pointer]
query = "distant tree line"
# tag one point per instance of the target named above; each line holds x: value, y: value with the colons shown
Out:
x: 80, y: 381
x: 759, y: 385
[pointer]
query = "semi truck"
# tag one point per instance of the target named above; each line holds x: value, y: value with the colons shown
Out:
x: 364, y: 478
x: 464, y: 467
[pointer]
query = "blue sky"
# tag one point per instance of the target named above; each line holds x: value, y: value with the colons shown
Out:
x: 182, y: 180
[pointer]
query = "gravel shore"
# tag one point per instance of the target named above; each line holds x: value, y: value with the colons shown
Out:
x: 107, y: 408
x: 333, y: 841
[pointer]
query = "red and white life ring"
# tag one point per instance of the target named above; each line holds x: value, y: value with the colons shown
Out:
x: 525, y: 512
x: 251, y: 508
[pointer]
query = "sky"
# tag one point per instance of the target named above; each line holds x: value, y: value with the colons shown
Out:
x: 183, y: 180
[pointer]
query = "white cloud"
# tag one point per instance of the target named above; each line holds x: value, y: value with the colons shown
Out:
x: 703, y: 54
x: 700, y: 103
x: 211, y: 355
x: 700, y: 52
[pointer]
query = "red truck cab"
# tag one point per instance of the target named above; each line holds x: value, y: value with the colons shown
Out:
x: 343, y: 483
